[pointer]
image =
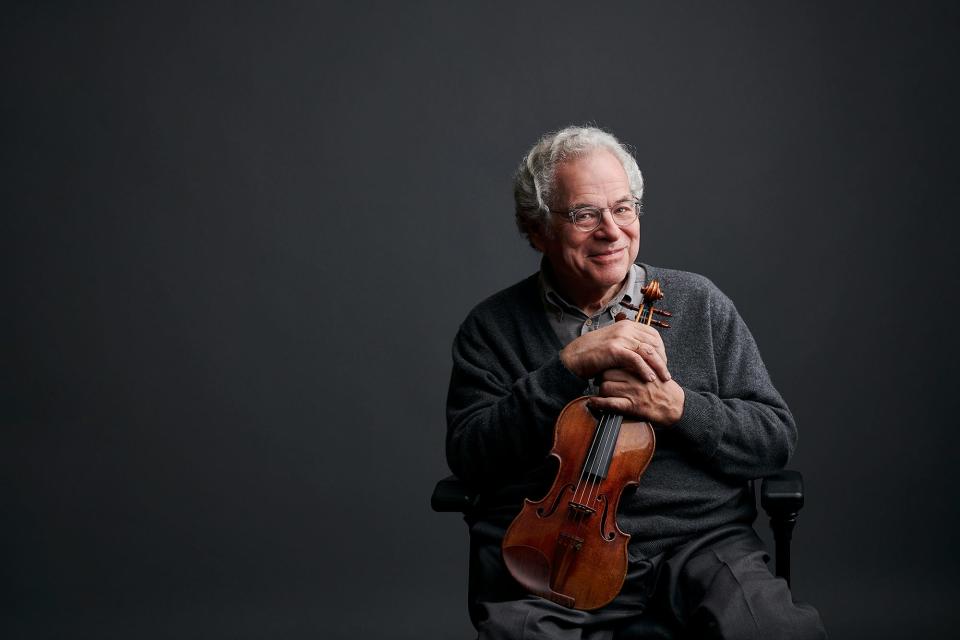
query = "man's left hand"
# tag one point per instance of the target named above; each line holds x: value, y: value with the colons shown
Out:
x: 627, y: 394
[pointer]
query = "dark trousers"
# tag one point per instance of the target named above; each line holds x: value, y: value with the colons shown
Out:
x: 715, y: 586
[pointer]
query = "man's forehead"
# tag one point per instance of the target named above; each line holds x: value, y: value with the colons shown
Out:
x: 598, y: 177
x: 594, y: 192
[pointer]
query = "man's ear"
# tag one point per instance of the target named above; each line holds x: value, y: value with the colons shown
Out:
x: 537, y: 240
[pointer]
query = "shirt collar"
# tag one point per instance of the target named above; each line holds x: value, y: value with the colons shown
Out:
x: 553, y: 298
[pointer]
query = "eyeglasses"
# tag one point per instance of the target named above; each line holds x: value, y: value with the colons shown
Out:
x: 589, y: 218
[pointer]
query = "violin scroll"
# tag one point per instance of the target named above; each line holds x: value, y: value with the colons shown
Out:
x: 651, y: 293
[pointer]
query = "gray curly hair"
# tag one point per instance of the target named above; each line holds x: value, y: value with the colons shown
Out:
x: 533, y: 184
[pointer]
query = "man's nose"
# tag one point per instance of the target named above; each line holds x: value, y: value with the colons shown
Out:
x: 608, y: 228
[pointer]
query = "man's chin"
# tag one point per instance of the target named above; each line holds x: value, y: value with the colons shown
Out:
x: 612, y: 274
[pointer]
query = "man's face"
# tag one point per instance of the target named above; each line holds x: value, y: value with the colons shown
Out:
x: 590, y: 265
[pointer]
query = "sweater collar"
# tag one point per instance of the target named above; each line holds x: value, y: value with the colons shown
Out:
x: 557, y: 303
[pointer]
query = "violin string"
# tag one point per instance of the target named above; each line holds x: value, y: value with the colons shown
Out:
x: 581, y: 482
x: 583, y: 471
x: 603, y: 435
x: 611, y: 432
x: 610, y: 441
x: 595, y: 459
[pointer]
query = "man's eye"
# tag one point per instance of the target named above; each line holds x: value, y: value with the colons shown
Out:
x: 586, y: 216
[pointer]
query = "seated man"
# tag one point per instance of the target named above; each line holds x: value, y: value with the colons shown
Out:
x: 696, y: 567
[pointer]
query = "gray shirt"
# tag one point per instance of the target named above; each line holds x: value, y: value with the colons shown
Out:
x: 570, y: 322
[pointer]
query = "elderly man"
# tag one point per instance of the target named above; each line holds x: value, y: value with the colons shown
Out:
x: 696, y: 566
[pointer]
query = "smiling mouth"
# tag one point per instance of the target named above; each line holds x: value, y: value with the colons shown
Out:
x: 607, y: 253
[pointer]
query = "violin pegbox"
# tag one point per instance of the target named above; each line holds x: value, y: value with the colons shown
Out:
x: 645, y: 312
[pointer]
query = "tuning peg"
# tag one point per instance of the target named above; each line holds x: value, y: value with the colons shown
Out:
x: 657, y: 311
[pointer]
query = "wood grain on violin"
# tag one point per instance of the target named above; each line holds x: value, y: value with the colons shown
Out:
x: 567, y: 546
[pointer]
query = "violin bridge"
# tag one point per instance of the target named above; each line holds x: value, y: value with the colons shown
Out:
x: 579, y: 512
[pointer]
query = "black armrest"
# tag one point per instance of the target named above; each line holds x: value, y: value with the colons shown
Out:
x: 781, y: 496
x: 452, y: 494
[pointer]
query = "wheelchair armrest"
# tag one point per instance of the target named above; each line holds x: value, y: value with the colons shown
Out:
x: 781, y: 494
x: 452, y: 494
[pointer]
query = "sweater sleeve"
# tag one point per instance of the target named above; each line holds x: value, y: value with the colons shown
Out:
x: 744, y: 429
x: 500, y: 416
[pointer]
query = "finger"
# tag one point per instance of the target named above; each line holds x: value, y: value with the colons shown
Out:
x: 646, y: 361
x: 651, y: 336
x: 615, y: 389
x: 615, y: 404
x: 634, y: 362
x: 651, y: 353
x: 654, y: 360
x: 619, y: 375
x: 643, y: 329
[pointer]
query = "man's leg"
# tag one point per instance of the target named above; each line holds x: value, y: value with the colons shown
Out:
x: 719, y: 586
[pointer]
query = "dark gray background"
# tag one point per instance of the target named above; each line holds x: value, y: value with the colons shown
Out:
x: 237, y: 242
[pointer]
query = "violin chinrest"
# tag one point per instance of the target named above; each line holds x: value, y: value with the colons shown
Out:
x: 532, y: 570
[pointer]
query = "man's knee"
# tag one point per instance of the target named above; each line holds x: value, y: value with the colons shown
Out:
x: 531, y: 619
x: 740, y: 598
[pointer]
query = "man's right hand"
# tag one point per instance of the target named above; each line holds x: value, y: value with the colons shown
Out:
x: 622, y: 345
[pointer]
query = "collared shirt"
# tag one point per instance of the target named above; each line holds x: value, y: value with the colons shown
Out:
x: 570, y: 322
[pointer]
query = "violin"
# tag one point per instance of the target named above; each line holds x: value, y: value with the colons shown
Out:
x: 567, y: 547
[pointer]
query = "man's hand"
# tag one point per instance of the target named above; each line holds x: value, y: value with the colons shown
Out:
x: 658, y: 401
x: 624, y: 345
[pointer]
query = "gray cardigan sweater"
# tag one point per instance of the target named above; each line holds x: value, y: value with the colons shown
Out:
x: 508, y: 387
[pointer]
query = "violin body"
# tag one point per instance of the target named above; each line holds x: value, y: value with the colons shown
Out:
x: 567, y: 546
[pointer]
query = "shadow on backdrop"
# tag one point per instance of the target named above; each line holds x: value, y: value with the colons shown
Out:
x: 237, y: 243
